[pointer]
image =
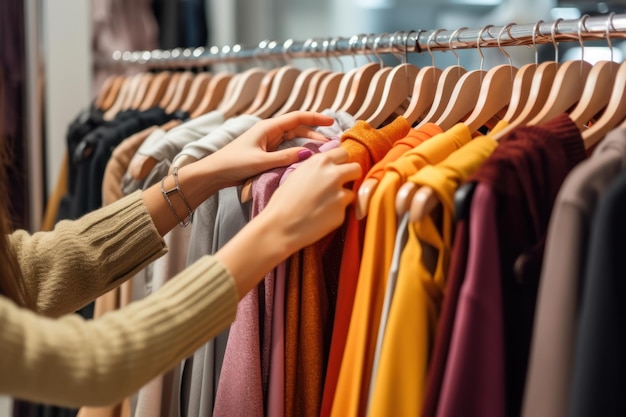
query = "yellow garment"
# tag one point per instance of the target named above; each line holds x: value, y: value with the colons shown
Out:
x: 352, y: 386
x: 400, y: 382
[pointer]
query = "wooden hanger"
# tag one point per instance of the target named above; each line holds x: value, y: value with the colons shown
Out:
x: 466, y: 92
x: 282, y: 85
x: 113, y: 81
x: 614, y: 114
x: 596, y: 93
x: 542, y: 82
x: 262, y: 92
x: 449, y: 79
x: 170, y: 90
x: 568, y: 84
x: 424, y: 88
x: 243, y: 94
x: 116, y: 106
x: 396, y: 90
x: 299, y: 92
x: 182, y: 89
x: 495, y: 91
x: 197, y: 91
x: 598, y: 88
x: 157, y: 89
x: 142, y: 89
x: 313, y: 88
x: 215, y: 92
x: 522, y: 84
x: 133, y: 90
x: 327, y: 91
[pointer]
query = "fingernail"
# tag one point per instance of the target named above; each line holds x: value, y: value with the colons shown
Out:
x: 304, y: 154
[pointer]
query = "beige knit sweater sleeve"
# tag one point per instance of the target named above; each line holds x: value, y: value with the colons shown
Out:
x: 72, y: 362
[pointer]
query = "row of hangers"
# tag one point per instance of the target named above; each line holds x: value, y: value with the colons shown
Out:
x: 528, y: 95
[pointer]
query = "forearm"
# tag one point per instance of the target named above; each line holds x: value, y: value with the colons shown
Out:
x: 73, y: 362
x: 197, y: 182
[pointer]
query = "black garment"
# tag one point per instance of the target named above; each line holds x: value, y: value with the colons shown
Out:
x: 93, y: 151
x: 599, y: 374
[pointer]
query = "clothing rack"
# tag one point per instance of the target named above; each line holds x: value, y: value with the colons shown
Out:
x: 401, y: 42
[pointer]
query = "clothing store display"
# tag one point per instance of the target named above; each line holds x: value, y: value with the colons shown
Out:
x: 475, y: 274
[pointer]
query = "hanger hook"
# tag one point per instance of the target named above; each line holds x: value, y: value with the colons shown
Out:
x: 286, y: 46
x: 455, y: 34
x: 354, y: 39
x: 431, y: 38
x: 333, y: 44
x: 392, y: 41
x: 554, y: 42
x: 376, y: 42
x: 478, y: 40
x: 365, y: 41
x: 406, y: 44
x: 534, y: 38
x: 581, y: 26
x: 609, y: 25
x: 506, y: 28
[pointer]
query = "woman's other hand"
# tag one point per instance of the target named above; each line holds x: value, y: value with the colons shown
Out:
x: 255, y: 151
x: 307, y: 206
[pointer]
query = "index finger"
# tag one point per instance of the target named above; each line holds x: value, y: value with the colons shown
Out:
x: 292, y: 120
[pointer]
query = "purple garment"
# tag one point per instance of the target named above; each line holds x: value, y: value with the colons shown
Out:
x: 477, y: 346
x: 245, y: 371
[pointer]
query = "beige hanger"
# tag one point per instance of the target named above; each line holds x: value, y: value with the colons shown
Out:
x: 375, y: 88
x: 157, y: 89
x: 614, y: 114
x: 245, y: 90
x: 170, y: 90
x: 120, y: 98
x: 347, y: 81
x: 262, y: 92
x: 448, y: 81
x: 182, y: 89
x: 396, y: 90
x: 466, y: 92
x: 197, y: 90
x: 361, y: 80
x: 522, y: 83
x: 134, y: 90
x: 328, y: 88
x: 110, y: 83
x: 424, y: 88
x: 313, y: 88
x: 495, y: 95
x: 540, y: 88
x: 282, y: 85
x: 568, y: 85
x: 495, y: 91
x: 215, y: 92
x: 142, y: 90
x: 299, y: 92
x: 369, y: 185
x: 598, y: 88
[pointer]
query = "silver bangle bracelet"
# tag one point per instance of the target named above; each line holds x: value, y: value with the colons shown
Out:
x: 166, y: 194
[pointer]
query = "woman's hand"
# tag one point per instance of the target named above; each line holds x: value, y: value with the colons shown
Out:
x: 307, y: 206
x: 255, y: 151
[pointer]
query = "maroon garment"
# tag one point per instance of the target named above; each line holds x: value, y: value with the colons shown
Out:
x: 525, y: 173
x: 456, y: 273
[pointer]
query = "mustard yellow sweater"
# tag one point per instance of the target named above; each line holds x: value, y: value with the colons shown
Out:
x: 55, y: 357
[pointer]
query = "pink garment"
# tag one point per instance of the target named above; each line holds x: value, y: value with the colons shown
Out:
x: 243, y: 382
x: 477, y: 347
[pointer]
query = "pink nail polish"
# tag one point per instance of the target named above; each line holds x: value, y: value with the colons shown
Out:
x: 304, y: 154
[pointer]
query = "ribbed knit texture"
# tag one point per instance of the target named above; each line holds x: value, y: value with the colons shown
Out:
x: 72, y: 362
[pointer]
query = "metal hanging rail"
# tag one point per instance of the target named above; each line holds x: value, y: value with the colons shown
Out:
x: 415, y: 41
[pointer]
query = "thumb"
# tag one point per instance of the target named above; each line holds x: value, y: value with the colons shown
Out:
x: 290, y: 156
